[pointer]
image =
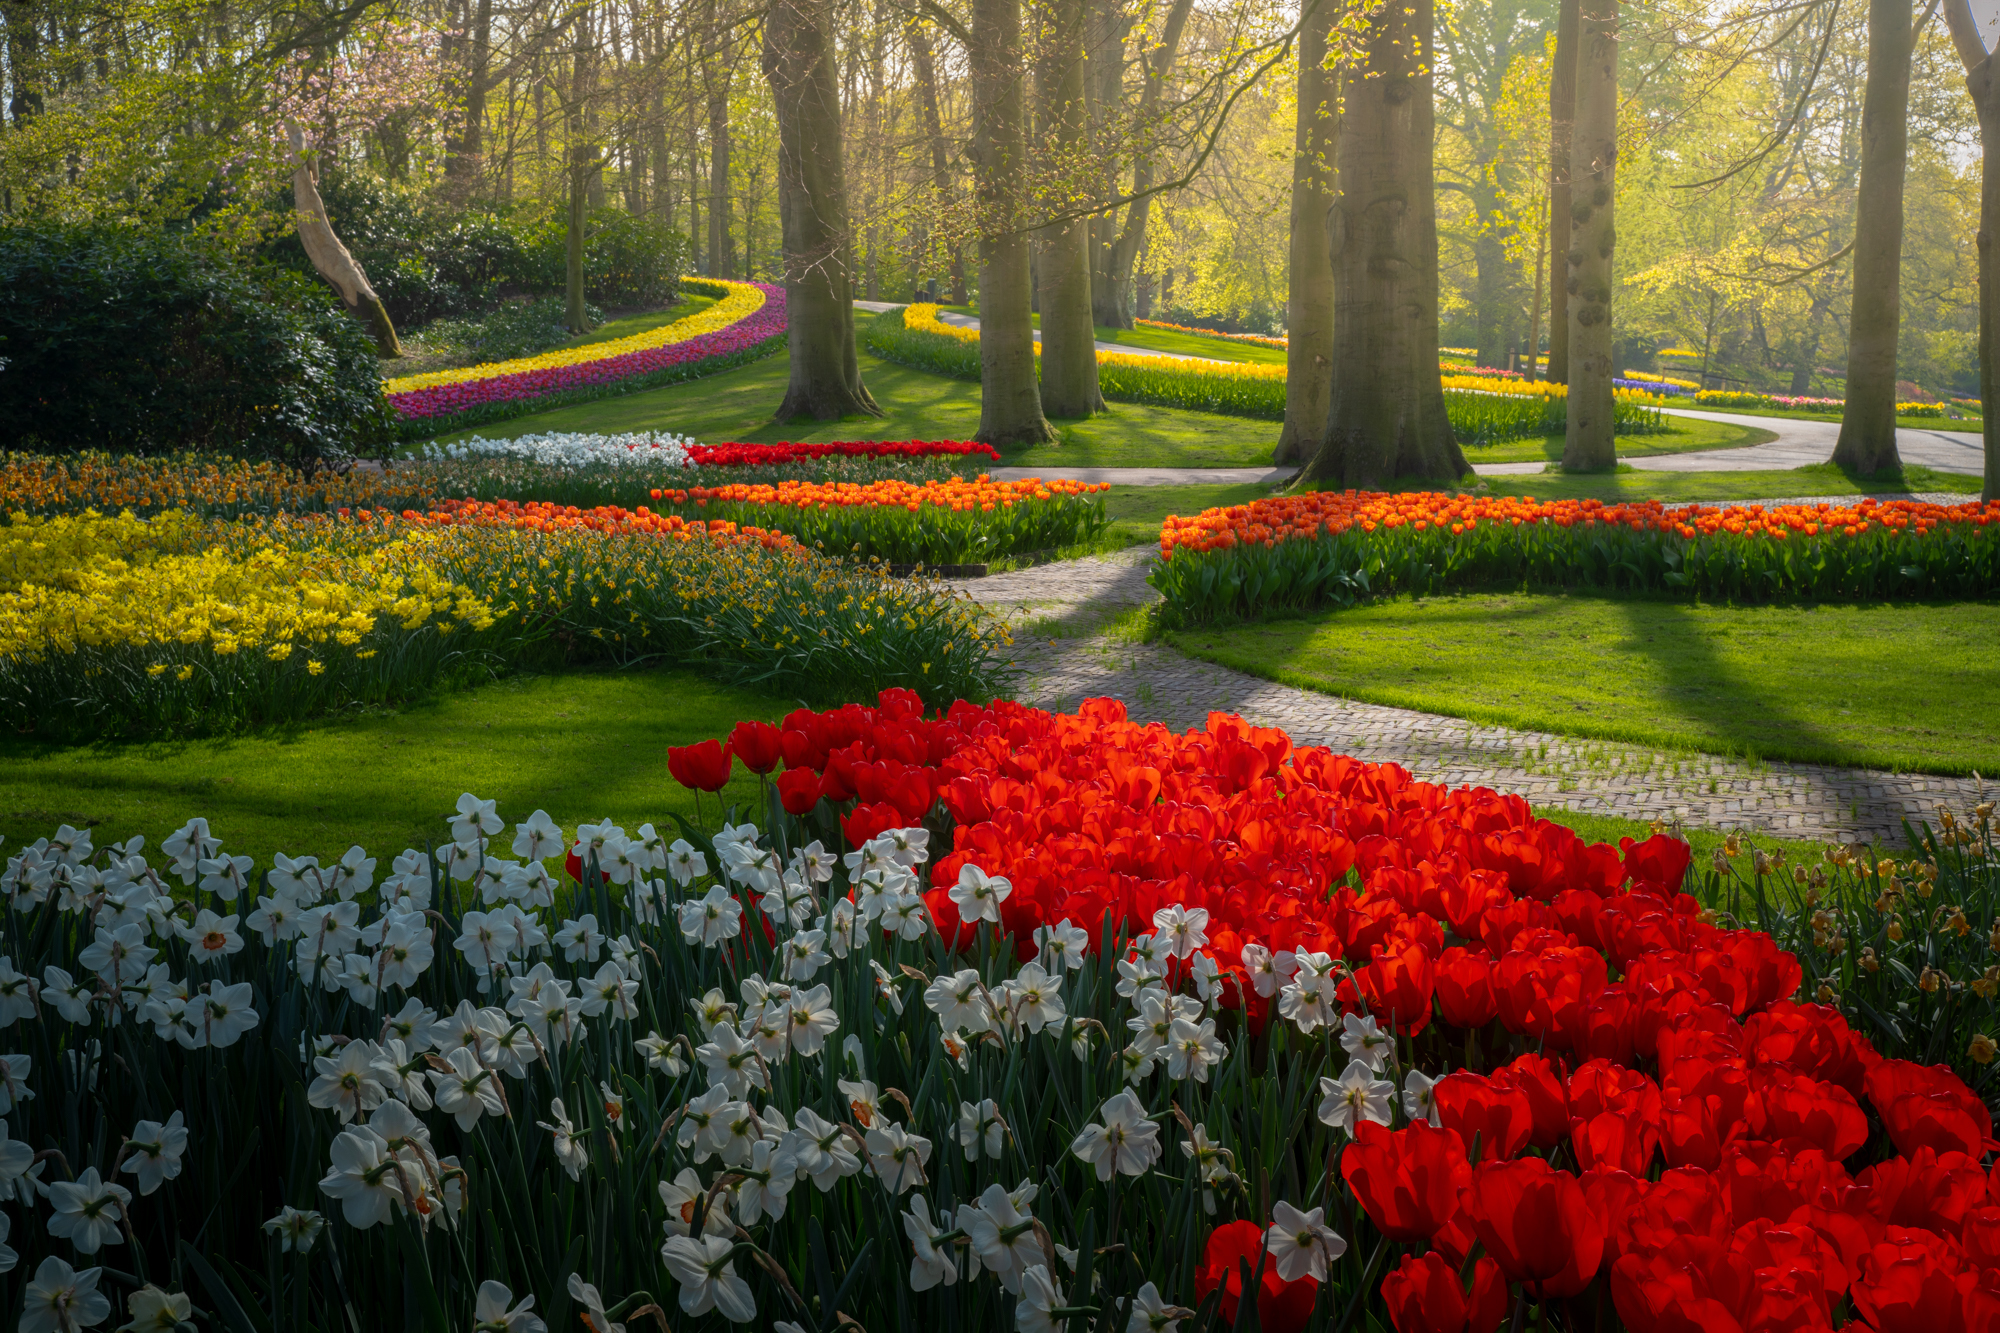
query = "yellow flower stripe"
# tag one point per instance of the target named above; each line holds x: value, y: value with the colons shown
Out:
x: 741, y: 301
x: 123, y: 591
x: 923, y: 318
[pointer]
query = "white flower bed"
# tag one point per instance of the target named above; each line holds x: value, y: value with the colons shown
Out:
x: 572, y: 449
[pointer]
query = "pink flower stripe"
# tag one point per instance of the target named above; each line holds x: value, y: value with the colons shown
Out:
x: 445, y: 400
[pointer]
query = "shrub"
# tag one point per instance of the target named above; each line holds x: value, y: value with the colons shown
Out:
x: 626, y: 260
x: 515, y: 329
x: 148, y: 342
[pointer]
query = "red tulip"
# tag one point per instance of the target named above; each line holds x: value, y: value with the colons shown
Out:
x: 703, y: 766
x: 1465, y: 988
x: 869, y: 821
x: 1537, y: 1225
x: 1494, y: 1112
x: 798, y: 790
x: 1542, y: 1084
x: 1282, y: 1307
x: 1408, y: 1181
x: 1910, y: 1283
x: 758, y: 744
x: 1424, y: 1295
x: 1929, y: 1107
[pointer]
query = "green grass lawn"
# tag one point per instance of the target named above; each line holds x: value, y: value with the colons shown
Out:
x: 1687, y: 436
x: 625, y: 326
x: 1914, y: 687
x: 583, y: 746
x: 737, y: 405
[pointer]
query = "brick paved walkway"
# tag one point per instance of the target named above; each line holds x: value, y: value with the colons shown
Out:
x: 1071, y: 645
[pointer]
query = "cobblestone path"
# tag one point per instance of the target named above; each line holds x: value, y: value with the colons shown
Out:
x: 1069, y: 645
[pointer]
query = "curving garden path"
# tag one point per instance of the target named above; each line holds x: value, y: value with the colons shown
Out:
x: 1069, y: 647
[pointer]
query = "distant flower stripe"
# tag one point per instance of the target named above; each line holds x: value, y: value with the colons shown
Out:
x: 734, y: 325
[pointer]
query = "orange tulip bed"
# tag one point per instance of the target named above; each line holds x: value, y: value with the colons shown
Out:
x: 1333, y: 548
x: 935, y: 522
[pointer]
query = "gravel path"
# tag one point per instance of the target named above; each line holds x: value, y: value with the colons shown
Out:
x: 1071, y: 646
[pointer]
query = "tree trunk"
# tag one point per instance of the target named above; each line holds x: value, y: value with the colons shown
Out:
x: 721, y: 263
x: 1010, y: 403
x: 1107, y: 25
x: 1385, y: 414
x: 1588, y: 442
x: 1309, y: 305
x: 924, y: 64
x: 1069, y: 343
x: 463, y: 161
x: 582, y: 154
x: 1985, y: 90
x: 812, y: 202
x: 1112, y: 307
x: 1535, y: 307
x: 1867, y: 441
x: 1490, y: 279
x: 331, y: 259
x: 1562, y: 115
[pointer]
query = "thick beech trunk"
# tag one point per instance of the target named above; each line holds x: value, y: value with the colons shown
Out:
x: 1309, y: 307
x: 1588, y: 442
x: 1385, y: 416
x: 1010, y: 401
x: 1867, y: 441
x: 812, y: 204
x: 1982, y: 81
x: 331, y: 259
x: 1562, y: 117
x: 1069, y: 343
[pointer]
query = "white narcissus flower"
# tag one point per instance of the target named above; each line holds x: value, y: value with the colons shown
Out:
x: 1181, y: 929
x: 295, y: 1228
x: 1354, y: 1097
x: 580, y: 940
x: 465, y: 1091
x: 612, y: 992
x: 595, y: 1320
x: 684, y: 1195
x: 998, y: 1231
x: 812, y: 1020
x: 960, y: 1002
x: 476, y: 819
x: 805, y: 954
x: 485, y: 938
x: 980, y: 1126
x: 348, y: 1084
x: 713, y: 918
x: 1035, y: 1311
x: 218, y: 1015
x: 568, y: 1148
x: 70, y: 996
x: 354, y: 874
x: 931, y: 1265
x: 491, y: 1312
x: 1150, y: 1314
x: 17, y: 994
x: 1035, y: 998
x: 8, y: 1259
x: 156, y: 1311
x: 1301, y: 1243
x: 119, y: 956
x: 364, y: 1175
x: 1365, y: 1041
x: 225, y: 876
x: 978, y: 895
x: 661, y: 1054
x: 820, y: 1149
x: 764, y: 1189
x: 537, y: 837
x: 1126, y: 1143
x: 1060, y: 946
x: 731, y: 1062
x: 898, y: 1156
x: 211, y: 938
x: 62, y: 1300
x: 1419, y: 1101
x: 708, y: 1278
x: 155, y: 1150
x: 88, y: 1210
x: 1191, y: 1050
x: 684, y: 863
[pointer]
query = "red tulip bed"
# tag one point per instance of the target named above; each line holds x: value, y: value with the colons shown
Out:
x: 1610, y: 1100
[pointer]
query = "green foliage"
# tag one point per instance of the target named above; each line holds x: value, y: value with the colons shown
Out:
x: 934, y: 534
x: 516, y: 328
x: 147, y: 342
